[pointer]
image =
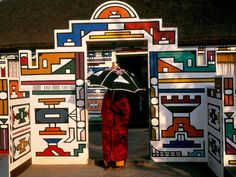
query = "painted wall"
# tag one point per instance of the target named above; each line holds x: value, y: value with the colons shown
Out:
x: 177, y: 87
x: 50, y: 100
x: 56, y: 80
x: 178, y: 104
x: 15, y: 123
x: 221, y: 124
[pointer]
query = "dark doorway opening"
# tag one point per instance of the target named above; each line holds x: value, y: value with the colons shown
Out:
x: 138, y: 65
x: 138, y: 136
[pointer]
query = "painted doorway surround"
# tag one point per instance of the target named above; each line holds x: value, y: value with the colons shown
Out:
x: 61, y: 102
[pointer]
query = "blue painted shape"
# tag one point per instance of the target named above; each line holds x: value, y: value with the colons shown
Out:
x: 182, y: 144
x: 96, y: 69
x: 52, y: 140
x: 75, y: 35
x: 153, y: 64
x: 197, y: 153
x: 106, y: 54
x: 49, y: 115
x: 91, y: 54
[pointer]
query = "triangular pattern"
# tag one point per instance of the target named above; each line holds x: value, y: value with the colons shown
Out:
x: 68, y: 66
x: 63, y: 62
x: 169, y: 68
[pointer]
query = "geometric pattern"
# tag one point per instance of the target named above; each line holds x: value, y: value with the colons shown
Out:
x: 4, y: 135
x: 215, y: 147
x: 214, y: 116
x: 21, y: 145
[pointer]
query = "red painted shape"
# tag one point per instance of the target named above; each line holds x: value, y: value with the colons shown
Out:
x: 53, y: 150
x: 157, y: 34
x: 171, y: 68
x: 175, y: 99
x: 3, y: 72
x: 49, y: 82
x: 4, y: 152
x: 52, y: 131
x: 230, y: 149
x: 114, y: 10
x: 211, y: 55
x: 184, y: 123
x: 24, y: 61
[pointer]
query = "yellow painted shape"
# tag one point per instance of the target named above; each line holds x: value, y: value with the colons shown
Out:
x: 1, y: 108
x: 187, y: 80
x: 52, y: 59
x: 232, y: 162
x: 21, y: 147
x: 113, y: 35
x: 51, y: 101
x: 5, y: 103
x: 5, y: 85
x: 118, y: 33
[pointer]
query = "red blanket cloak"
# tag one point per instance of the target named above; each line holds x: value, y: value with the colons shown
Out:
x: 115, y: 118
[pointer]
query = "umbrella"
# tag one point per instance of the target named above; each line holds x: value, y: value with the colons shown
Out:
x: 115, y: 78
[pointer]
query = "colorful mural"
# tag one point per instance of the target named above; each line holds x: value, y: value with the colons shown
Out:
x: 15, y: 123
x: 221, y: 124
x: 176, y: 101
x: 228, y: 86
x: 4, y: 121
x: 48, y: 100
x: 182, y: 132
x: 59, y: 109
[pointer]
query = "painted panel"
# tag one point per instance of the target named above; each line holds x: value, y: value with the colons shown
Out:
x: 179, y: 133
x: 4, y: 136
x: 74, y: 38
x: 59, y: 116
x: 20, y: 126
x: 221, y: 124
x: 228, y: 85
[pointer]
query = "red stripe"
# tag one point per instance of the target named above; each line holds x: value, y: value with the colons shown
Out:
x: 28, y: 128
x: 59, y: 82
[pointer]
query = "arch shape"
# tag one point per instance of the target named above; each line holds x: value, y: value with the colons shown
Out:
x: 114, y: 10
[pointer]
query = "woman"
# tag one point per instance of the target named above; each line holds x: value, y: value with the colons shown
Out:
x: 115, y: 117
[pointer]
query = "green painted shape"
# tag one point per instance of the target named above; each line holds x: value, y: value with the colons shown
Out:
x: 80, y: 149
x: 182, y: 57
x: 230, y: 130
x: 21, y: 115
x: 62, y: 70
x: 54, y: 92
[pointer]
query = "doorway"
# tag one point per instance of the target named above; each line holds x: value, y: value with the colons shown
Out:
x: 138, y: 140
x: 138, y: 65
x: 138, y: 136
